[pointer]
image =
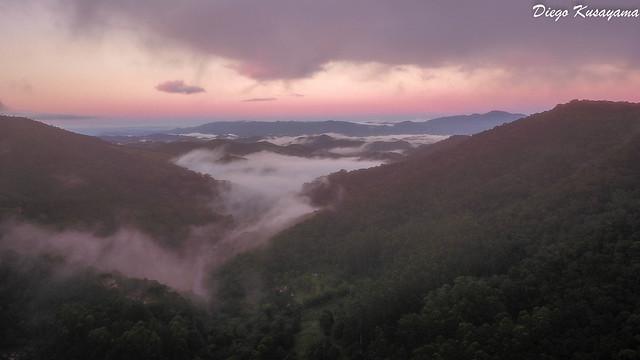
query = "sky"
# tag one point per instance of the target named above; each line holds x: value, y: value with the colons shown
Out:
x: 92, y: 63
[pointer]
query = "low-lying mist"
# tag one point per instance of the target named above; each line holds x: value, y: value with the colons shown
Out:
x: 261, y: 194
x: 128, y: 251
x: 414, y: 139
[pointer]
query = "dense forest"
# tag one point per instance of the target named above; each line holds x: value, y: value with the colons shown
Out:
x: 57, y: 178
x: 519, y: 242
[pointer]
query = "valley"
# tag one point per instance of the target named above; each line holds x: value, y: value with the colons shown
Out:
x: 498, y: 235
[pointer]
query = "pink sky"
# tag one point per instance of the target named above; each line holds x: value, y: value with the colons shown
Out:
x: 302, y: 59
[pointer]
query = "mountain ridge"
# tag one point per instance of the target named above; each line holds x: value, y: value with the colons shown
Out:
x: 478, y: 221
x: 52, y: 176
x: 449, y: 125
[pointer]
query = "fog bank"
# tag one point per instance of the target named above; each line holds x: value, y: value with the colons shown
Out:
x: 262, y: 194
x: 128, y: 251
x: 264, y: 188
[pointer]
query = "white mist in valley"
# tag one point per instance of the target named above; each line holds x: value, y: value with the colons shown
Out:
x: 413, y: 139
x: 262, y: 194
x: 264, y: 188
x: 128, y: 251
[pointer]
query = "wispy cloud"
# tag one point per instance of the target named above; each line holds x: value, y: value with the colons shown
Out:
x: 121, y: 252
x: 179, y: 87
x: 59, y: 117
x: 260, y: 99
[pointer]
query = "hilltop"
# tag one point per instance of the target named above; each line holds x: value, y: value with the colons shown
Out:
x: 54, y: 177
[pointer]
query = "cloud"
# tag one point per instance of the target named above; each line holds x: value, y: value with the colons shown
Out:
x: 179, y: 87
x: 289, y: 39
x: 414, y: 139
x: 260, y: 99
x: 128, y: 251
x: 3, y: 107
x: 59, y: 117
x: 263, y: 192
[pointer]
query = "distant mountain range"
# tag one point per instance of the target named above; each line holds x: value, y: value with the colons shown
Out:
x: 450, y: 125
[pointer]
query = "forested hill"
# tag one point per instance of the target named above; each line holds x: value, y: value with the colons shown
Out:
x: 522, y: 242
x: 55, y: 177
x: 519, y: 242
x: 518, y: 158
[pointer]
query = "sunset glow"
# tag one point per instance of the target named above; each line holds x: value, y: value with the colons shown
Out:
x: 53, y: 63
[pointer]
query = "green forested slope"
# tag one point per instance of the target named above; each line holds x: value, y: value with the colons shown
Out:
x: 49, y: 310
x: 520, y: 240
x: 58, y: 178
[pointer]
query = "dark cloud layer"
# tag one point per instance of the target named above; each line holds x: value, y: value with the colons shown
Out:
x: 178, y: 87
x: 288, y: 39
x: 61, y: 117
x: 260, y: 99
